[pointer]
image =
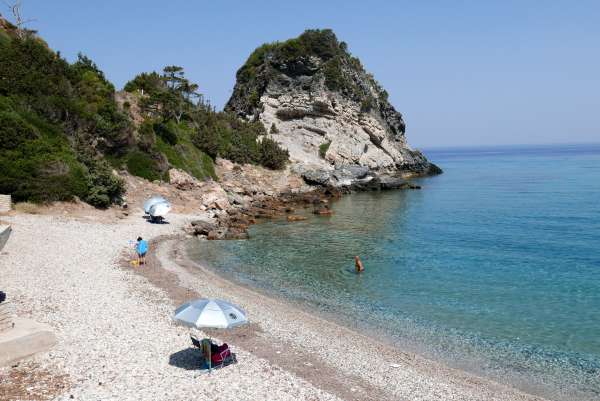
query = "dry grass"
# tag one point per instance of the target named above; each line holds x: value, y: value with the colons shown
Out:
x: 27, y: 207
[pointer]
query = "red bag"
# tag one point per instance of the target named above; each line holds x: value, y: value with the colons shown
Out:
x: 222, y: 353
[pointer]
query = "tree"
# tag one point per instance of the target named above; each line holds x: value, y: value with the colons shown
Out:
x: 147, y: 83
x: 173, y: 76
x: 15, y: 9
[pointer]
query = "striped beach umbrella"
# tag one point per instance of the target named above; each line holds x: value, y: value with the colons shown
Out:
x: 210, y: 313
x: 160, y: 209
x: 150, y: 202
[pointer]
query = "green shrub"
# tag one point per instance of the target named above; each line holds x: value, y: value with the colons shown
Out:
x: 143, y: 165
x: 322, y: 43
x: 272, y: 155
x: 36, y: 162
x: 334, y: 79
x: 338, y: 68
x: 367, y: 104
x: 274, y: 129
x: 167, y: 132
x: 52, y: 116
x: 185, y: 156
x: 14, y: 130
x: 147, y: 137
x: 323, y: 148
x: 103, y: 187
x: 148, y: 82
x: 212, y: 135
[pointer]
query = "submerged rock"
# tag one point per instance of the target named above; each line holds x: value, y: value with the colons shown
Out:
x: 296, y: 218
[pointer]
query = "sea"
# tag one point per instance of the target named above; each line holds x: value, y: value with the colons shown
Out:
x: 492, y: 267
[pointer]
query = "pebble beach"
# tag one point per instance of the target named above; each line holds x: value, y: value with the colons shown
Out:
x: 117, y: 340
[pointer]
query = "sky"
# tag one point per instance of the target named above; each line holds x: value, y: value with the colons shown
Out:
x: 462, y: 73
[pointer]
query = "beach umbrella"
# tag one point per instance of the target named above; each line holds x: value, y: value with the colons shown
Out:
x: 160, y: 209
x: 150, y: 202
x: 210, y: 313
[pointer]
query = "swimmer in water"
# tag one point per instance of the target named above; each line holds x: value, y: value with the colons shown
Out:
x: 358, y: 264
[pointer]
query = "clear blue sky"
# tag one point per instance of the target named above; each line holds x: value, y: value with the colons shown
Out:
x: 461, y: 72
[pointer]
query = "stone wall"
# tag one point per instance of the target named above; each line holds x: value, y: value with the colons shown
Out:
x: 5, y: 203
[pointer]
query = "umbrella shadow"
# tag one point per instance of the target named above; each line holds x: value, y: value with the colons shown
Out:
x: 191, y: 359
x: 188, y: 359
x: 155, y: 221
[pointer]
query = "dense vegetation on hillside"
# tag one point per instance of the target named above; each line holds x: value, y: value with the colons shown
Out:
x: 172, y: 117
x: 316, y: 53
x: 50, y: 112
x: 62, y: 130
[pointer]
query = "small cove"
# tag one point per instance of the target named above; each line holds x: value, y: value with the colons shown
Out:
x: 493, y: 267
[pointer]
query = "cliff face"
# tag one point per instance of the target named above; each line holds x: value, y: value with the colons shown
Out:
x: 317, y: 101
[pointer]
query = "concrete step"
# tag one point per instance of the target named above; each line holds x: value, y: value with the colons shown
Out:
x: 4, y: 234
x: 25, y: 339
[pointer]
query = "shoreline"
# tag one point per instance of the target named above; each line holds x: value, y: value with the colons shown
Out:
x: 116, y: 336
x: 378, y: 367
x: 474, y: 364
x: 117, y: 339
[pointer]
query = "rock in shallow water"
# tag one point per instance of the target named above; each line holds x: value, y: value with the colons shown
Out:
x: 358, y: 178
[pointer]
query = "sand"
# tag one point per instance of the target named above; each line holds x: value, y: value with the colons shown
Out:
x: 117, y: 341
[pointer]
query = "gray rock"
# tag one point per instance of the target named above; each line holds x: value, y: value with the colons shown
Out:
x: 235, y: 198
x: 351, y: 173
x: 201, y: 227
x: 344, y: 176
x: 355, y: 120
x: 317, y: 177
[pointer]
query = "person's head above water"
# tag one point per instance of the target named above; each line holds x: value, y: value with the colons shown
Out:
x: 139, y: 238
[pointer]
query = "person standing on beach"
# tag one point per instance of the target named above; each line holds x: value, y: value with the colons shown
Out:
x: 358, y: 264
x: 141, y: 248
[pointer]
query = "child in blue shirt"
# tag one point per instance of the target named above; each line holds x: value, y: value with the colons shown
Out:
x: 141, y: 248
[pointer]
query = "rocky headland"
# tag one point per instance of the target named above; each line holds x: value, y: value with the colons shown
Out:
x: 317, y: 101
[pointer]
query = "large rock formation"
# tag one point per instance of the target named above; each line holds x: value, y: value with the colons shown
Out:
x: 317, y: 101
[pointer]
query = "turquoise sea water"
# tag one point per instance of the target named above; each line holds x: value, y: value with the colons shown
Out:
x: 493, y: 267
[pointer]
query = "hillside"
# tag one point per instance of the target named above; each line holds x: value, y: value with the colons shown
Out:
x: 66, y: 133
x: 317, y: 101
x: 64, y: 129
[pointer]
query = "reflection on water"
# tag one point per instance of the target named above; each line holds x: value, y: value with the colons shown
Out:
x: 493, y: 266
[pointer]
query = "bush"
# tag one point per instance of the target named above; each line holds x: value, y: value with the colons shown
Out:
x: 334, y: 79
x: 323, y: 148
x: 166, y: 132
x: 46, y: 106
x: 147, y: 137
x: 148, y: 82
x: 143, y: 165
x: 104, y: 188
x: 36, y: 162
x: 367, y: 104
x: 272, y: 155
x: 185, y: 156
x: 14, y: 130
